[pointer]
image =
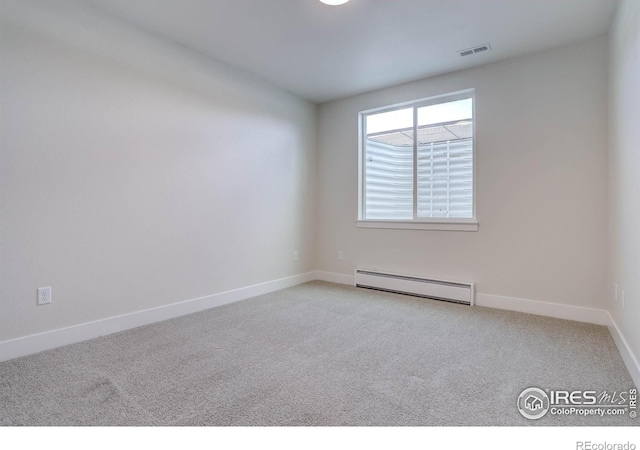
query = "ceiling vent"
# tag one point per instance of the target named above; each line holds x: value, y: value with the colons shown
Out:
x: 478, y: 49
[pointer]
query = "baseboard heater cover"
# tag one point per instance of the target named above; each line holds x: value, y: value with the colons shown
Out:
x: 451, y: 291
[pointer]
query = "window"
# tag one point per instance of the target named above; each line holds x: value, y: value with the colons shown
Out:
x: 417, y: 165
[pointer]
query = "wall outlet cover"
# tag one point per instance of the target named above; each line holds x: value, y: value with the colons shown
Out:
x: 44, y: 296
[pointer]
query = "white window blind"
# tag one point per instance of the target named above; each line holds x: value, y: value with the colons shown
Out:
x: 431, y: 177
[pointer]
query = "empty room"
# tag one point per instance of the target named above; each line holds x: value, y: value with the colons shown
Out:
x: 296, y: 213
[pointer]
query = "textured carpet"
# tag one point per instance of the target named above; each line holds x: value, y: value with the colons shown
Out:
x: 316, y: 354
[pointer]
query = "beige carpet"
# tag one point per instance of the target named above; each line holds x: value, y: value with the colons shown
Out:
x: 317, y: 354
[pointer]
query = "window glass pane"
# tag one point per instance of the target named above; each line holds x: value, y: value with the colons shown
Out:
x: 445, y: 160
x: 392, y: 120
x: 446, y: 112
x: 388, y: 158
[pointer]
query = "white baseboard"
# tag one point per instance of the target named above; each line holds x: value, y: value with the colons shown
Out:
x: 57, y: 338
x: 333, y: 277
x: 557, y: 310
x: 627, y: 354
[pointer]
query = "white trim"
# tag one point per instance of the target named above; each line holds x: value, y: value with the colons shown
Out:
x: 57, y: 338
x: 557, y: 310
x: 333, y: 277
x: 415, y: 165
x: 427, y: 101
x: 629, y: 358
x: 415, y: 225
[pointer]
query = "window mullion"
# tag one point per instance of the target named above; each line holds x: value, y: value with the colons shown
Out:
x: 415, y: 163
x: 363, y: 165
x: 448, y: 178
x: 431, y: 183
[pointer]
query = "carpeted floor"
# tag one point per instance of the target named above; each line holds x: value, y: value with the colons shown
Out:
x: 317, y: 354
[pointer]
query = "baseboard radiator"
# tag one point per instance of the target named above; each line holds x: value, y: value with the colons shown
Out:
x: 421, y: 287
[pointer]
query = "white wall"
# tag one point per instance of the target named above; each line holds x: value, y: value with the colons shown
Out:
x: 541, y: 182
x: 135, y: 173
x: 624, y: 166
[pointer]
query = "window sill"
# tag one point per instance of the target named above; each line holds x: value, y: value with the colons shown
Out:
x: 462, y: 225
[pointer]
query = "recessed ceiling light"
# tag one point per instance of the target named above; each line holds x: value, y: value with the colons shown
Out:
x: 334, y: 2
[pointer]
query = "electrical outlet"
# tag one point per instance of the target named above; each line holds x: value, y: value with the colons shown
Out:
x: 295, y: 256
x: 622, y: 295
x: 44, y: 296
x: 340, y: 256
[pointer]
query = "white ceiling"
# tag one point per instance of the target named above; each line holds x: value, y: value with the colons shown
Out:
x: 322, y: 52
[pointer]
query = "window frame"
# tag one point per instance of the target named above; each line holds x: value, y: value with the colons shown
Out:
x: 442, y: 224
